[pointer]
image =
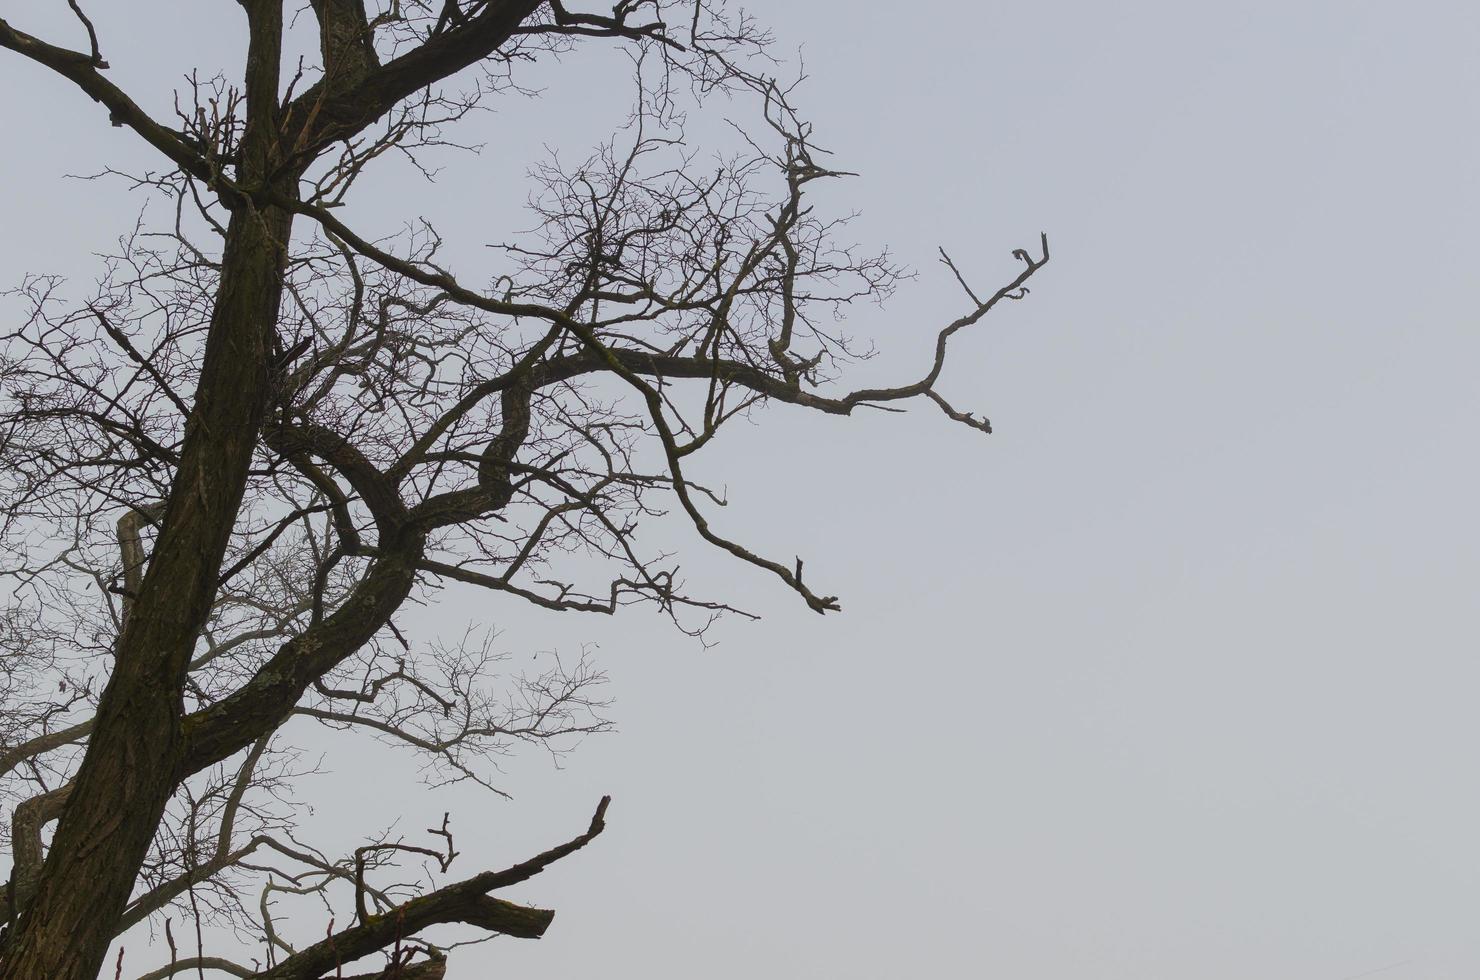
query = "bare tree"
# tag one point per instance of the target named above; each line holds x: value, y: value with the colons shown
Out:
x: 265, y: 432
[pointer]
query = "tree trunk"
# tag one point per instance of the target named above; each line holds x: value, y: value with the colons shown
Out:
x: 133, y: 761
x: 132, y: 765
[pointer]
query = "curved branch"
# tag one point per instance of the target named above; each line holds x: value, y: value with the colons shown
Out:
x: 30, y: 817
x: 217, y: 732
x: 198, y: 963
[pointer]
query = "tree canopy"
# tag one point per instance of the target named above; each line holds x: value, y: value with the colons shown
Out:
x: 268, y: 429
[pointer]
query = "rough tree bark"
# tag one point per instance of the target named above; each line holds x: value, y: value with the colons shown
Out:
x: 135, y: 758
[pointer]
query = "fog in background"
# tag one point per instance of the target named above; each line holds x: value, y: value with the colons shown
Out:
x: 1174, y: 676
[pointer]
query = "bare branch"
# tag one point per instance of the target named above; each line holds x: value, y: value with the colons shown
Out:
x: 467, y: 901
x: 84, y: 71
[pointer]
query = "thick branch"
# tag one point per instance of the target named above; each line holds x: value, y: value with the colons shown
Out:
x: 467, y: 902
x: 345, y: 43
x: 30, y: 817
x: 131, y: 549
x: 31, y: 748
x: 83, y: 70
x: 259, y: 706
x: 328, y: 111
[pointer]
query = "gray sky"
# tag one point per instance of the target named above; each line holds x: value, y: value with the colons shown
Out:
x: 1173, y: 676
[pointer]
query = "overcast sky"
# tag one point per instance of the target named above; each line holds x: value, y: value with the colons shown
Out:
x: 1174, y: 676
